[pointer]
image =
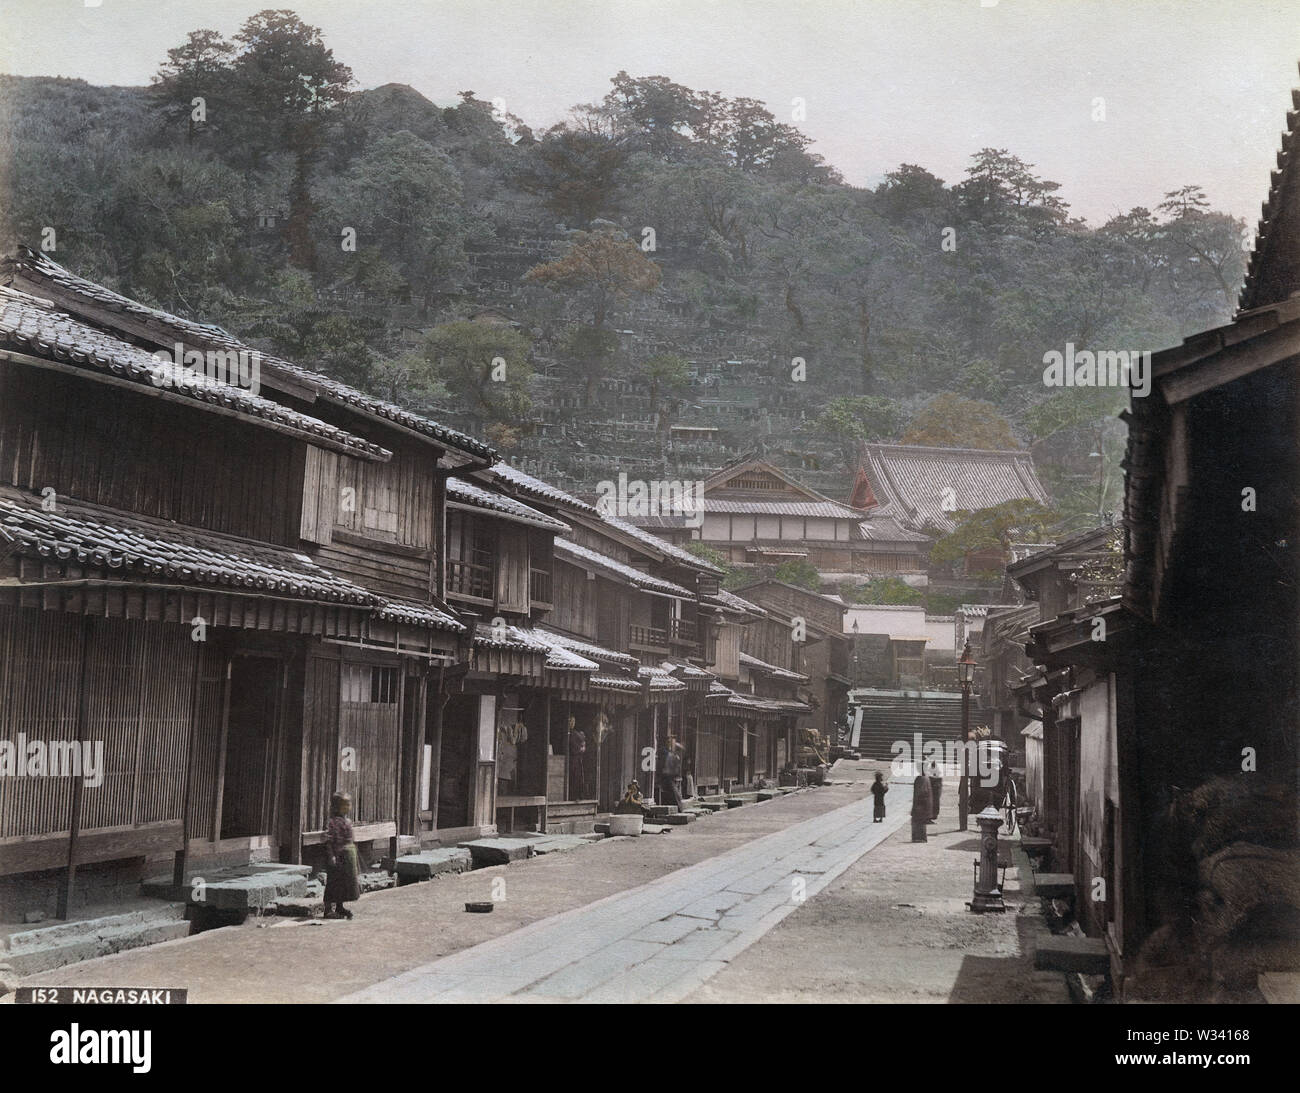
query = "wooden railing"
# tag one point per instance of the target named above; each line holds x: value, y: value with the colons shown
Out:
x: 652, y: 636
x: 539, y: 585
x: 469, y: 579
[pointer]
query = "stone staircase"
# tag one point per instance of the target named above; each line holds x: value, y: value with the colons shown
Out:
x: 42, y: 948
x: 888, y: 716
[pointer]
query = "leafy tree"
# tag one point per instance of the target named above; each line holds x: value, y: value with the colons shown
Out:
x: 600, y: 267
x: 885, y: 590
x: 199, y: 68
x: 286, y: 83
x: 592, y: 350
x: 1000, y: 187
x: 404, y: 198
x: 484, y: 367
x: 950, y: 421
x: 909, y: 191
x: 850, y: 421
x: 998, y: 526
x: 1209, y: 243
x: 577, y: 173
x: 666, y: 372
x: 802, y: 574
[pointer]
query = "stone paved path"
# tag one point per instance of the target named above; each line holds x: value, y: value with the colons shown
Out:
x: 659, y: 942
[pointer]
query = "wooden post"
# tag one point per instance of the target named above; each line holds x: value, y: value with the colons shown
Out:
x: 435, y: 750
x: 221, y: 753
x: 183, y: 854
x: 395, y: 843
x: 74, y: 820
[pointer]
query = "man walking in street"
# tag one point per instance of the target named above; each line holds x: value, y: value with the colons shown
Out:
x: 936, y: 789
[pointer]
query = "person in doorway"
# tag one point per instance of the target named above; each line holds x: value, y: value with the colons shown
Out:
x: 878, y: 791
x: 936, y: 789
x: 577, y: 757
x: 342, y: 879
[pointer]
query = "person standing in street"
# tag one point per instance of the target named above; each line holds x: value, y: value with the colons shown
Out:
x: 669, y: 762
x: 936, y: 789
x: 921, y: 807
x: 963, y: 781
x: 878, y: 791
x: 342, y: 879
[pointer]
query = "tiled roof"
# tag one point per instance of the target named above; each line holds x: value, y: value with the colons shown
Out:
x: 773, y: 670
x: 1273, y: 270
x: 536, y: 488
x: 508, y: 637
x: 414, y: 613
x: 614, y: 683
x: 466, y: 493
x: 90, y: 536
x: 912, y: 482
x: 685, y: 671
x: 32, y: 325
x: 887, y: 529
x: 39, y: 267
x: 671, y: 550
x: 583, y: 556
x: 660, y: 680
x: 587, y: 649
x: 825, y: 509
x: 733, y: 602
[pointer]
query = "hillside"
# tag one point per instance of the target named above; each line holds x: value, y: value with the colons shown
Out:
x: 779, y: 290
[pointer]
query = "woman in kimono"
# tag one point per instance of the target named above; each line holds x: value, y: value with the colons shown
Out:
x: 342, y: 881
x: 878, y: 790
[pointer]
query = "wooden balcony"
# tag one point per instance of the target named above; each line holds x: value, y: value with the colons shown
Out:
x: 649, y: 637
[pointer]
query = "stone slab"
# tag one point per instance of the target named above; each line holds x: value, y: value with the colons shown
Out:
x: 497, y: 851
x: 1073, y: 954
x: 1054, y: 885
x: 412, y: 868
x: 678, y: 819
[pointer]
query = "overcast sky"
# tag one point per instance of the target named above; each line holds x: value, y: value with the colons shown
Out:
x: 1195, y: 91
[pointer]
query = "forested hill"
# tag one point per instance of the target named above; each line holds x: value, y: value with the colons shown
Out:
x: 663, y: 257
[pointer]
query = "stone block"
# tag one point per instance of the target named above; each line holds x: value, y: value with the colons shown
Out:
x: 497, y: 851
x: 1088, y: 955
x: 412, y: 868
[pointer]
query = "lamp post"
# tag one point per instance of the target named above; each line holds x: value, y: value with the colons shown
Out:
x: 965, y: 675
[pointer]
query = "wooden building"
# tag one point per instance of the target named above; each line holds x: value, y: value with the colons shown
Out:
x: 1181, y: 808
x: 258, y: 582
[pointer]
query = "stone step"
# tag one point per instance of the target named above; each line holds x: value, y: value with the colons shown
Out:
x: 678, y: 819
x: 248, y: 893
x: 96, y: 940
x: 558, y: 844
x: 1054, y: 885
x: 1088, y: 955
x: 376, y: 881
x: 59, y: 932
x: 312, y: 906
x: 497, y: 851
x: 413, y: 868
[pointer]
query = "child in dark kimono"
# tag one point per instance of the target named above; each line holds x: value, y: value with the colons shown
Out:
x: 342, y: 881
x: 878, y: 790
